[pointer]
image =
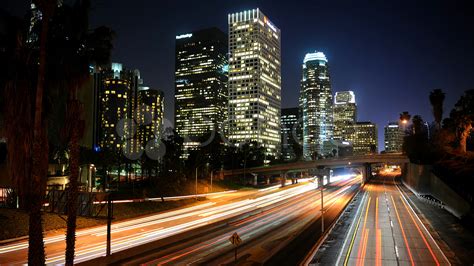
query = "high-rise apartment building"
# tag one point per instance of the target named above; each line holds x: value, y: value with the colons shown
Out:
x: 345, y: 114
x: 290, y: 133
x: 393, y: 134
x: 254, y: 80
x: 363, y: 137
x: 316, y: 105
x: 201, y: 84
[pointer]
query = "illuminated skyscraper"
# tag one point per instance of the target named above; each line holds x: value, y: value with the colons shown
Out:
x: 316, y: 105
x: 201, y: 84
x: 150, y: 115
x: 393, y: 138
x: 364, y: 139
x: 116, y: 90
x: 254, y: 80
x: 345, y: 113
x: 290, y: 132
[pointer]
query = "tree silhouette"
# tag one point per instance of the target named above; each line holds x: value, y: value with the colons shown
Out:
x: 462, y: 117
x: 72, y: 49
x: 437, y: 97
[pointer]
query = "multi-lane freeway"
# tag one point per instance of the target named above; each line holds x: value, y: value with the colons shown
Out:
x: 262, y: 234
x: 387, y: 231
x: 264, y: 218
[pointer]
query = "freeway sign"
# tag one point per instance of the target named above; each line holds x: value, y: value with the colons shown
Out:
x: 235, y: 239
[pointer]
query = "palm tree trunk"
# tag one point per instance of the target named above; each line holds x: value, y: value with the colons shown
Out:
x: 40, y: 150
x: 35, y: 231
x: 73, y: 195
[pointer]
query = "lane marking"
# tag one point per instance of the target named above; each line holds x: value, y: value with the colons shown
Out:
x: 378, y: 236
x: 426, y: 230
x: 359, y: 254
x: 364, y: 197
x: 364, y: 252
x: 421, y: 233
x: 403, y: 232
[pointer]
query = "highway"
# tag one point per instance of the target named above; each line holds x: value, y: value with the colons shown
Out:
x: 90, y: 243
x: 263, y: 234
x: 386, y: 230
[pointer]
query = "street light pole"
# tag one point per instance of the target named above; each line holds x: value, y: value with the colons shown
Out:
x: 196, y: 186
x: 109, y: 223
x: 212, y: 172
x: 322, y: 205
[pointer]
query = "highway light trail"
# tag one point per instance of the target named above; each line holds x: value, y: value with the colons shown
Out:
x: 403, y: 232
x: 252, y: 227
x: 385, y: 237
x: 135, y: 232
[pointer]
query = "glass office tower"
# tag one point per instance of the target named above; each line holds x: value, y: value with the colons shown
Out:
x: 316, y: 106
x: 254, y: 81
x: 200, y: 85
x: 345, y: 113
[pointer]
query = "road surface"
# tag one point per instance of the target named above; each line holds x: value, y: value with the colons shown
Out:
x: 386, y: 231
x: 262, y: 234
x: 90, y: 243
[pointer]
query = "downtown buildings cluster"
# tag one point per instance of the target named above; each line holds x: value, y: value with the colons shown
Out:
x: 229, y: 86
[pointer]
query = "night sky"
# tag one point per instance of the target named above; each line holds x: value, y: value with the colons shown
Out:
x: 390, y: 54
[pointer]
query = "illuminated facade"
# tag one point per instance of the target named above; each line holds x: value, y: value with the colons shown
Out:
x: 116, y: 90
x: 200, y: 84
x: 150, y: 115
x: 364, y: 139
x: 393, y: 134
x: 345, y: 114
x: 290, y: 132
x: 254, y: 81
x: 316, y: 105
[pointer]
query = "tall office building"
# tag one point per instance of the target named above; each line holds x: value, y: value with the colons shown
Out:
x: 150, y: 115
x: 254, y: 80
x: 345, y: 114
x: 364, y: 139
x: 201, y: 84
x: 116, y: 99
x: 393, y: 134
x: 316, y: 105
x: 290, y: 132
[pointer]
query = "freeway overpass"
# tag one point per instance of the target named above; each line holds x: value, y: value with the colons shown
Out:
x: 362, y: 162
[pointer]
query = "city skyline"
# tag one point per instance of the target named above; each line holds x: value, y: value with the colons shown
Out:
x: 381, y: 79
x: 236, y: 132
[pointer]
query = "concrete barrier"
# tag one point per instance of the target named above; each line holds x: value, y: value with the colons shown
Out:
x: 421, y: 181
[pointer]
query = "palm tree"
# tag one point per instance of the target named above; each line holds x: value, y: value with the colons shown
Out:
x: 73, y: 48
x: 417, y: 125
x: 404, y: 120
x: 40, y: 144
x: 405, y: 117
x: 436, y: 99
x: 18, y: 83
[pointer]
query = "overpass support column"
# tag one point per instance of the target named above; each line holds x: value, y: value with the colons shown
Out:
x: 366, y: 172
x: 283, y: 179
x: 255, y: 179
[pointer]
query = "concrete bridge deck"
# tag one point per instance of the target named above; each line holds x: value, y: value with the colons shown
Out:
x: 351, y: 161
